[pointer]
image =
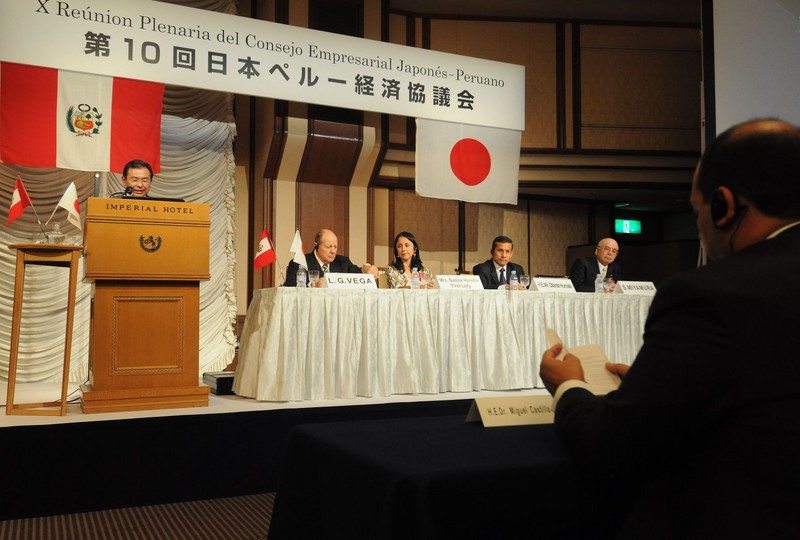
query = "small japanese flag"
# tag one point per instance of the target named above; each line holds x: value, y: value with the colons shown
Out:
x: 69, y: 202
x: 266, y: 254
x: 467, y: 163
x: 19, y: 201
x: 297, y: 250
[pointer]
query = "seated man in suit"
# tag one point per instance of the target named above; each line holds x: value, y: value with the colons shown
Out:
x: 584, y: 271
x: 701, y: 438
x: 325, y: 259
x: 497, y: 270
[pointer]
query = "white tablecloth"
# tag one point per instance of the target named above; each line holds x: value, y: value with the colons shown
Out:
x: 312, y: 344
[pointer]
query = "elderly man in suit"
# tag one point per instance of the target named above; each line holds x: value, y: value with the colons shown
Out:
x: 324, y: 258
x: 496, y: 271
x: 584, y: 271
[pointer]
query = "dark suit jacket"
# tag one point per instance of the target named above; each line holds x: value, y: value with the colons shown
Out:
x: 489, y: 277
x: 585, y: 270
x: 702, y: 439
x: 340, y: 264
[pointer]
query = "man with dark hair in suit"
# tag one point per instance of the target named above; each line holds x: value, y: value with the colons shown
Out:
x: 324, y: 258
x: 497, y: 270
x: 701, y: 440
x: 584, y: 271
x: 138, y: 176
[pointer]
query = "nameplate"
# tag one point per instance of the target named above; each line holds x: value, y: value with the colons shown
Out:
x: 558, y: 285
x: 336, y: 280
x: 641, y: 288
x: 512, y: 411
x: 459, y: 282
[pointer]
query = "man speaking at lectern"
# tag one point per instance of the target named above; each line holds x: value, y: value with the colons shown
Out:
x: 137, y: 175
x: 701, y: 440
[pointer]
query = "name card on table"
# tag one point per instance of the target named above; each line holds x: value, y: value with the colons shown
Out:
x: 641, y: 288
x: 336, y: 280
x: 558, y: 285
x: 512, y: 411
x: 459, y: 282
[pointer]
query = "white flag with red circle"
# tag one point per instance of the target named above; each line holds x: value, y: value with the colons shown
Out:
x: 69, y: 202
x: 466, y: 162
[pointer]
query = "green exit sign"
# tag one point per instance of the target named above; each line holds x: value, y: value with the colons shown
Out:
x: 628, y: 226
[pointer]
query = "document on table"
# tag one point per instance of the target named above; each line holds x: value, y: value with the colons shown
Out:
x: 593, y: 360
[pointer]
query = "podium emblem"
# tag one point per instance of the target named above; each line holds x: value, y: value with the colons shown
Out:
x: 150, y: 244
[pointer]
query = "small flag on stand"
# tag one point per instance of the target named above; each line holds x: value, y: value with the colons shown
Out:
x: 69, y: 202
x: 19, y: 201
x: 266, y: 254
x: 297, y: 250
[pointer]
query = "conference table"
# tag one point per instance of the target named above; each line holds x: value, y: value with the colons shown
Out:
x: 433, y: 478
x: 322, y: 344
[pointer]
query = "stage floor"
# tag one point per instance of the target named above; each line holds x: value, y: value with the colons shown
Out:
x: 44, y: 392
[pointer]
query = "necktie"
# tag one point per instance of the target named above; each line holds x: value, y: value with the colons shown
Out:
x: 603, y: 270
x: 325, y: 268
x: 502, y: 276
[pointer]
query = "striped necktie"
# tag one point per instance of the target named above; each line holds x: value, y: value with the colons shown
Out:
x: 326, y: 268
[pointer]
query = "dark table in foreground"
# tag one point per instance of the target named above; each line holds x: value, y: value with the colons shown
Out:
x: 434, y: 477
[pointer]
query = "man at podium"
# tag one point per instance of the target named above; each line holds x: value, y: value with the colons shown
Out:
x: 137, y: 175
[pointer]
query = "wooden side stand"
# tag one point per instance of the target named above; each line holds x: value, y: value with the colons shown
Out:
x: 146, y: 259
x: 45, y: 255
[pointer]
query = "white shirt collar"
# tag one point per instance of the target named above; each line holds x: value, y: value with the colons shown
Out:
x: 779, y: 231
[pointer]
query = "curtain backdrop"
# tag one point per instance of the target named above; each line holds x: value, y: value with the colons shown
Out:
x: 197, y: 165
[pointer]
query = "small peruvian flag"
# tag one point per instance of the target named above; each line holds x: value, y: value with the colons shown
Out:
x: 19, y: 201
x: 265, y: 255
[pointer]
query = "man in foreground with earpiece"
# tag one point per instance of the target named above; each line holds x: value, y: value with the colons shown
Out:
x: 702, y: 438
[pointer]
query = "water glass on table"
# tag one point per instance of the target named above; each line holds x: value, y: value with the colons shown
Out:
x: 313, y: 277
x: 525, y: 281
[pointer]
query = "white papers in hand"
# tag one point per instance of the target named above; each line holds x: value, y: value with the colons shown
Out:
x: 593, y: 360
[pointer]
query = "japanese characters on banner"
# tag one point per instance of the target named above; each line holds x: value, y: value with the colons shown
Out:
x: 161, y: 42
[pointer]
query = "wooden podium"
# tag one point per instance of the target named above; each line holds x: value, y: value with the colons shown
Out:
x: 146, y: 258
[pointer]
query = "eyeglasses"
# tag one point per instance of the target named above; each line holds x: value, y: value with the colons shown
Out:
x: 135, y: 179
x: 608, y: 249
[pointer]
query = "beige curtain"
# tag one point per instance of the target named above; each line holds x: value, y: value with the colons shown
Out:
x: 197, y: 164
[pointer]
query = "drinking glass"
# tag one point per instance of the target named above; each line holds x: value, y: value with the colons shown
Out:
x: 313, y: 277
x: 525, y: 281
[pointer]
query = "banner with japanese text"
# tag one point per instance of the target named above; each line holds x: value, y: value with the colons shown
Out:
x: 171, y: 44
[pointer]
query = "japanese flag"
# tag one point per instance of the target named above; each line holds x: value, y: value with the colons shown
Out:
x: 54, y: 118
x: 467, y: 163
x: 19, y: 201
x: 265, y: 255
x: 297, y: 250
x: 69, y: 202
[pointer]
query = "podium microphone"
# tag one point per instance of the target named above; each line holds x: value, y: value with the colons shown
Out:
x: 126, y: 193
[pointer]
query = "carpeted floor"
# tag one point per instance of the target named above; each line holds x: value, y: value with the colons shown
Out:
x: 233, y: 518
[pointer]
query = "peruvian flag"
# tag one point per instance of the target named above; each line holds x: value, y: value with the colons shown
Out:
x: 19, y: 201
x: 466, y: 162
x: 266, y: 254
x: 69, y: 202
x: 70, y: 120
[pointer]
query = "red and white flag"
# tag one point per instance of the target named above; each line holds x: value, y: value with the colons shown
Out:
x: 297, y: 250
x: 70, y: 120
x: 69, y: 202
x: 466, y: 162
x: 266, y: 253
x: 19, y: 201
